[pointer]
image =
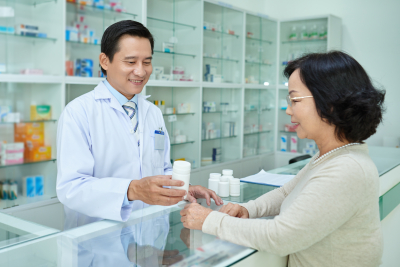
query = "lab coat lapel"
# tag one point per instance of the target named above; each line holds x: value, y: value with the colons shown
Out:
x: 143, y: 107
x: 101, y: 92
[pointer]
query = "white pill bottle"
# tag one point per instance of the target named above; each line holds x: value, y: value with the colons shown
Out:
x: 181, y: 172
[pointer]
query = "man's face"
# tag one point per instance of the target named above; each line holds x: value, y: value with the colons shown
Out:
x: 131, y: 67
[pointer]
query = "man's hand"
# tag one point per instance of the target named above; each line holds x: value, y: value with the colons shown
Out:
x: 150, y: 190
x: 235, y: 210
x: 197, y: 191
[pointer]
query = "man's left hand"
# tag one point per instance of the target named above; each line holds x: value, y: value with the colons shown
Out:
x: 197, y: 191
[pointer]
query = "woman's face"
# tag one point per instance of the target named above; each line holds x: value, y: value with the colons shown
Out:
x: 303, y: 112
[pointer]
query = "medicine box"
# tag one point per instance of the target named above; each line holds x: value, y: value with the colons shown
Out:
x: 28, y: 186
x: 168, y: 47
x: 40, y: 112
x: 39, y: 185
x: 38, y: 153
x: 284, y: 143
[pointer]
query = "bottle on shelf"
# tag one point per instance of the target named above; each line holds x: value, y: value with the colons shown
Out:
x: 293, y: 34
x: 304, y: 34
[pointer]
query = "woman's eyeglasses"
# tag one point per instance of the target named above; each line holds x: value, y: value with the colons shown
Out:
x: 290, y: 99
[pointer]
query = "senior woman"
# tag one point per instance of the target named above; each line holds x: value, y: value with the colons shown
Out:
x: 328, y: 215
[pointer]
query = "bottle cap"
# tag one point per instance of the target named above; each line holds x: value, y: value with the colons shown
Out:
x: 180, y: 164
x: 215, y: 176
x: 227, y: 172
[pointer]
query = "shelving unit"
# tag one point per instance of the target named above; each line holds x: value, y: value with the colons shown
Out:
x: 297, y: 37
x: 245, y: 48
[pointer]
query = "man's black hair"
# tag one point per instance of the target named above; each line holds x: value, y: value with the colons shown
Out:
x: 111, y: 36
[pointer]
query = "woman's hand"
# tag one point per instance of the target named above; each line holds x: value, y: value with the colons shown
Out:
x: 235, y: 210
x: 194, y: 215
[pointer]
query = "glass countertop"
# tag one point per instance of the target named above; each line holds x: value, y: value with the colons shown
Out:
x: 15, y: 231
x: 153, y: 236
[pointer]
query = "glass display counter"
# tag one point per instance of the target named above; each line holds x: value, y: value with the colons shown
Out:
x: 181, y: 113
x: 222, y: 44
x: 221, y: 128
x: 30, y: 37
x: 155, y: 236
x: 29, y: 141
x: 259, y: 121
x: 261, y: 47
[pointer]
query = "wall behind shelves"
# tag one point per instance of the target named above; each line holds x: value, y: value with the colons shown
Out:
x: 368, y: 34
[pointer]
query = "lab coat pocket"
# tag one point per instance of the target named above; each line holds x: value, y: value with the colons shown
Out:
x: 157, y: 155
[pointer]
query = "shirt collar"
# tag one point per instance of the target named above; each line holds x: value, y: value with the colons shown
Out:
x: 121, y: 99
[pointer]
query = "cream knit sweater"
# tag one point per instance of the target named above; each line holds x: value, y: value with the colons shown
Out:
x: 328, y: 215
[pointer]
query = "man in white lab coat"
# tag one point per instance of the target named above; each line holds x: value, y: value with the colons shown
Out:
x: 112, y: 144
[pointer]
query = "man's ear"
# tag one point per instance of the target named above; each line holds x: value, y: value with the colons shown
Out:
x: 104, y: 61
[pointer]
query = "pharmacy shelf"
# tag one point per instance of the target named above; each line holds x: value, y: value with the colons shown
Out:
x: 218, y: 138
x: 174, y: 53
x: 21, y: 78
x: 83, y: 80
x: 22, y: 201
x: 178, y: 114
x: 255, y: 133
x: 172, y: 22
x: 28, y: 121
x: 160, y: 83
x: 222, y: 85
x: 95, y: 11
x: 212, y: 33
x: 256, y: 110
x: 33, y: 2
x: 258, y: 63
x: 26, y: 163
x: 258, y: 40
x: 32, y: 38
x: 183, y: 143
x: 82, y: 43
x: 259, y: 86
x: 223, y: 59
x: 213, y: 112
x: 305, y: 41
x: 288, y: 132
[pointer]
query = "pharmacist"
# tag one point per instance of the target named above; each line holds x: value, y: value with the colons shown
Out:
x: 112, y: 144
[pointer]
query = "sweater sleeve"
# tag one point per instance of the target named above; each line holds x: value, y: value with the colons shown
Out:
x: 328, y: 200
x: 270, y: 203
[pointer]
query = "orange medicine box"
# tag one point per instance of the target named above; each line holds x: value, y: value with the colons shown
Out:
x: 38, y: 153
x: 29, y: 128
x: 30, y: 140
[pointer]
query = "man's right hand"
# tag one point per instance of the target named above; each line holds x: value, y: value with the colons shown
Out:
x: 150, y: 190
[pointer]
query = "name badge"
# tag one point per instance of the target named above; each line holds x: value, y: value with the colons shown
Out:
x: 159, y: 140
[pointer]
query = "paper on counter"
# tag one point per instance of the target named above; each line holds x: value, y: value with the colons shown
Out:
x: 267, y: 178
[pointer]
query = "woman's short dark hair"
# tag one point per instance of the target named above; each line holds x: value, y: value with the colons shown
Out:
x: 111, y: 36
x: 343, y: 93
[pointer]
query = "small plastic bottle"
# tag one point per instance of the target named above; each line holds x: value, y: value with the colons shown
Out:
x: 223, y: 187
x: 213, y: 181
x: 234, y: 187
x: 227, y: 173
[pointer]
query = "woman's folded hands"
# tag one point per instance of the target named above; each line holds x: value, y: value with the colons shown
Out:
x: 235, y: 210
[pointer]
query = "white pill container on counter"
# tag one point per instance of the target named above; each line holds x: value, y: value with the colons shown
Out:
x: 181, y: 172
x: 213, y: 181
x: 234, y: 185
x: 223, y: 187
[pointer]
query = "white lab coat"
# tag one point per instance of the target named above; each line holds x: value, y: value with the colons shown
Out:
x: 98, y: 156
